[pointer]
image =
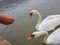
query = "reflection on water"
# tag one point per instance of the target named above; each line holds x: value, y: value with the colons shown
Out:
x: 18, y: 32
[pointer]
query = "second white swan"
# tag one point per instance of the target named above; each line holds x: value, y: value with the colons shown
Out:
x: 53, y: 38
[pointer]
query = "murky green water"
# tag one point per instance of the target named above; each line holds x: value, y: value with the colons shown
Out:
x: 18, y: 32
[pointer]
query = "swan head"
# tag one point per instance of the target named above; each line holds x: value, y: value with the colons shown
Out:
x: 36, y: 34
x: 33, y: 12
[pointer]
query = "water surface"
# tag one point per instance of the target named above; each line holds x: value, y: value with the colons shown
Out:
x: 18, y: 32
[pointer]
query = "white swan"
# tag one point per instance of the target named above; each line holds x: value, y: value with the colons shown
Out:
x: 48, y: 24
x: 53, y: 38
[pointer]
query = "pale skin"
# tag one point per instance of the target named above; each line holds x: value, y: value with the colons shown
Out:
x: 3, y: 41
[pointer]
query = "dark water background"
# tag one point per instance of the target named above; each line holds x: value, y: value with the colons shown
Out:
x: 18, y: 32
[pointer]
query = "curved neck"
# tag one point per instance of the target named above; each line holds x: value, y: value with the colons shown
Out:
x: 39, y: 20
x: 46, y: 34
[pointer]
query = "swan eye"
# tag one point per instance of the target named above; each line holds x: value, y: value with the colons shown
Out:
x: 31, y: 13
x: 32, y: 35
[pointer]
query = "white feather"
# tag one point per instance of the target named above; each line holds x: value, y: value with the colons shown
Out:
x: 54, y: 38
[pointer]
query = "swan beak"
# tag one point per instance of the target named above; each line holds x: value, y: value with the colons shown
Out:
x: 31, y: 37
x: 30, y: 15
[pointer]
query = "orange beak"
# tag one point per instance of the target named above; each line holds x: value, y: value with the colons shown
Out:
x: 30, y: 15
x: 31, y: 37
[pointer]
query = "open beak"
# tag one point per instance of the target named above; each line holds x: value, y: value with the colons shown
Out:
x: 30, y: 15
x: 31, y: 37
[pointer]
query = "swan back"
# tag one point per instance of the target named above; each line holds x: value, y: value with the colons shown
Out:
x: 49, y: 23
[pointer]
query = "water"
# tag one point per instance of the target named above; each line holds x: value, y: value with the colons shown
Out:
x: 18, y: 32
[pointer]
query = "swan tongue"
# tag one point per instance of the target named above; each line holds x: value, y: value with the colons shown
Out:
x: 30, y: 15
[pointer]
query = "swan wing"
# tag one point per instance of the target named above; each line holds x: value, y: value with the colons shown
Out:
x: 48, y: 25
x: 54, y: 38
x: 51, y: 17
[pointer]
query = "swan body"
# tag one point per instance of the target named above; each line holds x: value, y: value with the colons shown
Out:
x: 48, y: 24
x: 53, y: 38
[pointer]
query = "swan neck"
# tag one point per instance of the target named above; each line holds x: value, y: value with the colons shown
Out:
x: 39, y: 20
x: 46, y: 36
